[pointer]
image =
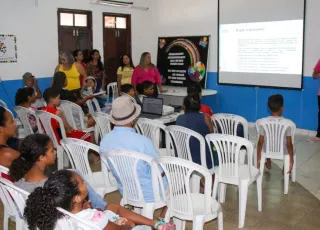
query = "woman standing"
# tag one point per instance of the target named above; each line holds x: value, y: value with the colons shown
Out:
x: 78, y: 56
x: 125, y: 71
x: 146, y: 71
x: 73, y: 70
x: 95, y: 69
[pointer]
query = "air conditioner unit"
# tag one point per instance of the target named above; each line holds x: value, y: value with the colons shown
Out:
x: 122, y: 3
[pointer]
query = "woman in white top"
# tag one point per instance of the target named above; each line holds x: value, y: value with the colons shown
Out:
x: 67, y: 190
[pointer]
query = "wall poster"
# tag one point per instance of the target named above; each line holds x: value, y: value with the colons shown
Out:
x: 8, y: 48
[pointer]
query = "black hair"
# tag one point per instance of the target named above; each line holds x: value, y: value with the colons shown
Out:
x: 2, y: 119
x: 50, y: 93
x: 192, y: 103
x: 275, y: 102
x: 100, y: 64
x: 41, y: 206
x: 123, y: 65
x: 23, y: 94
x: 59, y: 79
x: 32, y: 147
x: 75, y: 54
x: 144, y: 85
x: 125, y: 88
x: 194, y: 88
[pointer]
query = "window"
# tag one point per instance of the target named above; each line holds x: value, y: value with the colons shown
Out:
x: 115, y: 22
x: 73, y: 19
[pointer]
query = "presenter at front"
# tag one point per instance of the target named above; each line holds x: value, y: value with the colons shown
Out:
x: 316, y: 75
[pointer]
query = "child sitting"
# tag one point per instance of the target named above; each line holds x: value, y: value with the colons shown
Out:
x: 146, y: 89
x: 275, y: 104
x: 90, y: 85
x: 128, y: 90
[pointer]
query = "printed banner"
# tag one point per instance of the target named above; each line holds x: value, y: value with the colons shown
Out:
x: 8, y: 48
x: 183, y: 60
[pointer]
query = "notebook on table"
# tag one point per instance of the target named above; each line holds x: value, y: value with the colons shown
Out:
x: 152, y: 108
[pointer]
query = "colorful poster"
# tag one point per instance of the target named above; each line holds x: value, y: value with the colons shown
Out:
x: 183, y: 60
x: 8, y: 48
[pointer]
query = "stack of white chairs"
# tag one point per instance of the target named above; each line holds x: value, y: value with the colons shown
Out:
x: 124, y: 164
x: 113, y: 86
x: 232, y: 171
x: 275, y: 129
x: 46, y: 119
x: 103, y: 182
x: 183, y: 204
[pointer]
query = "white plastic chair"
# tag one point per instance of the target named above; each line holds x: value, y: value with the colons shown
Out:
x: 124, y: 164
x: 40, y: 102
x: 103, y: 125
x: 231, y: 171
x: 93, y: 106
x: 275, y: 133
x: 228, y: 124
x: 113, y: 86
x: 183, y: 204
x: 23, y: 114
x: 74, y: 222
x: 3, y: 104
x: 14, y: 200
x: 153, y: 130
x: 103, y: 182
x: 74, y: 115
x: 45, y: 119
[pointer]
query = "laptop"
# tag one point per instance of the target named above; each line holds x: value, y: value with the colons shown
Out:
x: 152, y: 107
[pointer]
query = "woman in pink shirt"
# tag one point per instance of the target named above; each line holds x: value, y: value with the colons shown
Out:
x: 316, y: 75
x: 146, y: 71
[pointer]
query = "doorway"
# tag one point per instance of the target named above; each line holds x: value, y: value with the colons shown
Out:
x: 116, y: 42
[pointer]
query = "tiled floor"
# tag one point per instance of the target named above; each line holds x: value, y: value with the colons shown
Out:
x: 300, y: 209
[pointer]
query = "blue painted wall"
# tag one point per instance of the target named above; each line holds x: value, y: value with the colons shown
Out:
x: 249, y: 102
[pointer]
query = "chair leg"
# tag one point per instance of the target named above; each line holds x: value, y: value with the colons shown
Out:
x: 195, y: 183
x: 294, y: 170
x: 222, y: 192
x: 198, y: 222
x: 215, y: 187
x: 263, y: 159
x: 220, y: 220
x: 243, y: 196
x: 255, y: 158
x: 148, y: 210
x: 259, y: 192
x: 180, y: 224
x: 5, y: 220
x: 285, y: 174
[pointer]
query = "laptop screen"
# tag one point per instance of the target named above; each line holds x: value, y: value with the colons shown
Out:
x: 152, y: 105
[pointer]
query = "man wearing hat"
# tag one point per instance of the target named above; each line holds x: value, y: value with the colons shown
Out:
x: 30, y: 81
x: 123, y: 115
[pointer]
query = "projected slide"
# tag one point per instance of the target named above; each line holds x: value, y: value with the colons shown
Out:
x: 262, y: 47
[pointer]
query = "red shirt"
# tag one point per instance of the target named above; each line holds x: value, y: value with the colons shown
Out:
x: 206, y: 109
x: 85, y: 69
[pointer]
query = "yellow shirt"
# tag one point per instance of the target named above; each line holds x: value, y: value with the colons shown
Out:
x: 73, y: 77
x: 126, y: 74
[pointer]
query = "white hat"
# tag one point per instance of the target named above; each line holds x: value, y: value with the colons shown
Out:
x: 124, y: 111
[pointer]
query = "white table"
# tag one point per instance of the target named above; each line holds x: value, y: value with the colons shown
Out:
x: 175, y: 95
x: 168, y: 118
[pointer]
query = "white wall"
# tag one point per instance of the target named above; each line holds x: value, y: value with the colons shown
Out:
x: 189, y: 17
x: 37, y: 32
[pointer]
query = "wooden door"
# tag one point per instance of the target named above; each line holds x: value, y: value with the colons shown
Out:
x: 116, y: 42
x: 67, y: 39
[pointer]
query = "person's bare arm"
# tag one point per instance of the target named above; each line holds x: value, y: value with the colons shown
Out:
x: 209, y: 122
x: 35, y: 83
x: 113, y: 226
x: 259, y: 149
x: 65, y: 122
x: 55, y: 70
x: 316, y: 74
x: 81, y: 101
x: 119, y: 77
x: 290, y: 151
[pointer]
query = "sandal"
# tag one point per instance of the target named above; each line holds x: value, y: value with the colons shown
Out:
x: 166, y: 226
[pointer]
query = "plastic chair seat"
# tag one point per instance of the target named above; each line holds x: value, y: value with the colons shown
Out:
x: 243, y: 175
x: 99, y: 184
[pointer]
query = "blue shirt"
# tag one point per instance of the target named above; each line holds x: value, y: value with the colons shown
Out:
x: 127, y: 138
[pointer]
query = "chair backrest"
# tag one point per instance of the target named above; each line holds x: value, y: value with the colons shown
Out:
x: 40, y: 102
x: 4, y: 170
x: 151, y: 129
x: 77, y: 151
x: 180, y: 139
x: 24, y: 114
x: 228, y: 124
x: 13, y: 198
x: 124, y: 164
x: 76, y: 222
x: 113, y: 86
x: 93, y: 106
x: 228, y: 150
x: 3, y: 104
x: 178, y: 173
x: 102, y: 122
x: 74, y: 114
x: 275, y: 129
x: 45, y: 119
